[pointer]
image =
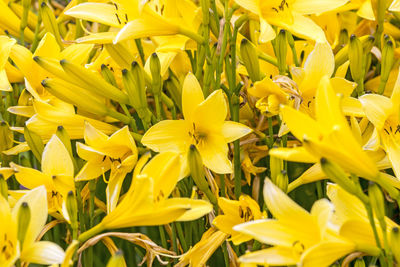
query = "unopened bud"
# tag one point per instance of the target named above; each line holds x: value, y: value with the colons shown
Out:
x: 49, y: 22
x: 276, y: 166
x: 108, y: 75
x: 24, y: 218
x: 356, y: 58
x: 250, y: 59
x: 359, y: 262
x: 281, y: 51
x: 395, y: 243
x: 343, y: 37
x: 3, y: 187
x: 26, y: 4
x: 6, y: 136
x: 155, y: 68
x: 197, y: 172
x: 282, y: 180
x: 368, y: 44
x: 35, y: 143
x: 377, y: 202
x: 386, y: 64
x: 117, y: 260
x: 72, y: 209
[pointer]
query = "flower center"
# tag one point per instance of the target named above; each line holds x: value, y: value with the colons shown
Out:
x: 7, y: 249
x: 198, y: 137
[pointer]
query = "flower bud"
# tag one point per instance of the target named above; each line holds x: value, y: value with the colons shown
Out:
x: 276, y: 166
x: 175, y: 90
x: 26, y: 4
x: 3, y: 187
x: 155, y: 68
x: 282, y: 180
x: 6, y: 136
x: 49, y: 22
x: 368, y: 44
x: 343, y: 37
x: 108, y: 75
x: 117, y: 260
x: 377, y: 202
x: 356, y: 58
x: 197, y: 172
x: 250, y: 59
x: 24, y: 218
x: 92, y: 82
x: 395, y: 243
x: 53, y: 66
x: 281, y: 51
x: 335, y: 173
x: 35, y: 143
x: 359, y: 262
x: 72, y: 209
x: 386, y: 64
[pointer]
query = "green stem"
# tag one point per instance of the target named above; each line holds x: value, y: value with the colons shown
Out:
x: 139, y: 47
x: 91, y: 232
x: 372, y: 222
x: 181, y: 236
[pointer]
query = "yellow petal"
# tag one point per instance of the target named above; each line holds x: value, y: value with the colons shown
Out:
x: 251, y: 5
x: 392, y: 148
x: 77, y: 53
x: 366, y: 11
x: 267, y: 33
x: 312, y: 174
x: 358, y: 231
x: 192, y: 96
x: 98, y: 38
x: 56, y: 159
x: 48, y: 47
x: 272, y: 256
x: 297, y: 154
x: 233, y: 130
x: 377, y: 108
x: 304, y: 27
x: 307, y: 7
x: 211, y: 113
x: 214, y: 153
x: 395, y: 6
x: 97, y: 12
x: 342, y: 86
x: 322, y: 210
x: 198, y: 208
x: 168, y: 135
x: 30, y: 178
x: 43, y: 252
x: 326, y: 253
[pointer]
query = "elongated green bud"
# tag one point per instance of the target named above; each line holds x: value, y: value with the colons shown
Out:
x: 395, y: 243
x: 359, y: 262
x: 72, y: 209
x: 3, y: 187
x: 281, y: 51
x: 174, y: 90
x: 343, y: 55
x: 197, y: 172
x: 108, y: 75
x: 24, y: 218
x: 276, y: 165
x: 35, y: 143
x: 356, y: 58
x: 50, y: 23
x: 121, y: 54
x: 377, y: 202
x: 53, y: 66
x: 282, y: 180
x: 386, y: 64
x: 117, y: 260
x: 155, y: 68
x: 343, y: 37
x: 131, y: 87
x: 26, y: 4
x: 93, y: 82
x: 335, y: 173
x: 6, y: 136
x: 63, y: 135
x: 368, y: 44
x: 250, y: 59
x: 138, y: 76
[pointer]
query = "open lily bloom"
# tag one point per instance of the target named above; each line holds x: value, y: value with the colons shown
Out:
x: 117, y: 152
x: 290, y: 15
x: 293, y: 232
x: 329, y: 135
x: 147, y: 202
x: 57, y: 174
x: 236, y: 212
x: 30, y: 250
x: 204, y: 126
x: 383, y: 112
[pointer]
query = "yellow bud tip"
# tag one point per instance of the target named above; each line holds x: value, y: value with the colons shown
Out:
x: 36, y: 59
x: 134, y: 64
x: 43, y: 4
x: 124, y: 71
x: 395, y: 230
x: 63, y: 62
x: 389, y: 43
x: 371, y: 38
x: 323, y: 160
x: 244, y: 41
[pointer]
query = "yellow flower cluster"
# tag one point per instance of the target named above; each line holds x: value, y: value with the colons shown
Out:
x: 200, y: 133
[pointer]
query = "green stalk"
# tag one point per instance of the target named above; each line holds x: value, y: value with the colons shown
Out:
x: 139, y: 47
x: 372, y: 222
x: 174, y: 243
x: 181, y: 236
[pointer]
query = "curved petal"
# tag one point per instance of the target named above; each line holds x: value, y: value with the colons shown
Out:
x: 297, y: 154
x: 377, y: 108
x: 56, y: 159
x: 96, y: 12
x: 307, y: 7
x: 93, y: 136
x: 272, y: 256
x: 233, y: 130
x: 43, y: 252
x: 198, y: 208
x: 322, y: 210
x: 168, y: 135
x: 325, y: 253
x: 211, y: 113
x: 192, y: 96
x: 251, y: 5
x: 304, y: 27
x: 214, y: 153
x: 30, y: 178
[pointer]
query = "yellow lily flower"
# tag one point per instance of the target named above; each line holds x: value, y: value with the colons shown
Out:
x: 203, y: 250
x: 293, y: 232
x: 56, y: 175
x: 328, y: 135
x: 147, y: 202
x: 204, y: 126
x: 235, y: 212
x: 30, y: 250
x: 383, y: 112
x: 290, y: 15
x: 102, y: 153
